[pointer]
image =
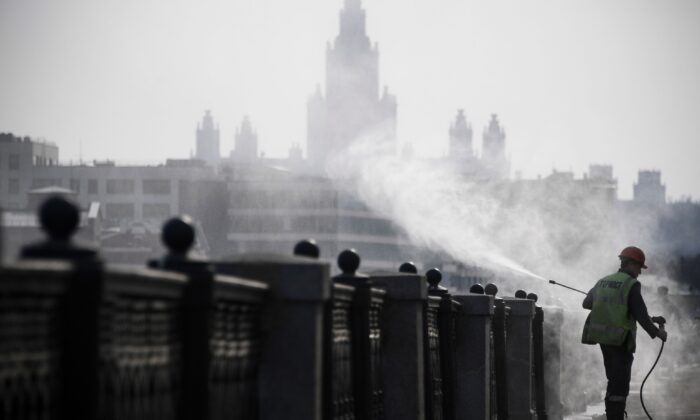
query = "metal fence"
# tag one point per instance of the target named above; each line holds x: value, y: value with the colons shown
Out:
x: 260, y: 337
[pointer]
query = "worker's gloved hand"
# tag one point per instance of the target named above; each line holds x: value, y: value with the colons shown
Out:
x: 662, y: 334
x: 658, y: 319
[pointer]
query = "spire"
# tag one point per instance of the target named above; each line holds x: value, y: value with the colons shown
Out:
x: 352, y: 27
x: 246, y: 142
x: 352, y: 5
x: 461, y: 137
x: 208, y: 139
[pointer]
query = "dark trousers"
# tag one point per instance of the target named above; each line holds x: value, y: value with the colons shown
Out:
x: 618, y: 369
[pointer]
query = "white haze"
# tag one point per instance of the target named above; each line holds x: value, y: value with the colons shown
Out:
x: 525, y: 235
x: 574, y: 82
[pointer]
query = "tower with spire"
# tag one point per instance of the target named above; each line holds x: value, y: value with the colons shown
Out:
x: 208, y: 140
x: 352, y: 107
x: 460, y: 146
x: 494, y: 150
x: 246, y: 142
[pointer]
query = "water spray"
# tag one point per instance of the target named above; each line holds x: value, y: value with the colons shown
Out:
x: 568, y: 287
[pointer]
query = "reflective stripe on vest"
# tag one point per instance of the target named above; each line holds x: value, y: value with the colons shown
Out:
x: 610, y: 321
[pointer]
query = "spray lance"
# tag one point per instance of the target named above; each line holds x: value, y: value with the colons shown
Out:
x: 568, y: 287
x: 657, y: 319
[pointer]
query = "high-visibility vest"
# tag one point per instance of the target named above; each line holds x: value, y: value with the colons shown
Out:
x: 610, y: 321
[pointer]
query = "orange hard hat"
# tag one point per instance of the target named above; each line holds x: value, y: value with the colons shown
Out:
x: 635, y: 254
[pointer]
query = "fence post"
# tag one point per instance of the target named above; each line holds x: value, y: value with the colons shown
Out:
x: 208, y: 325
x: 446, y: 324
x: 178, y: 236
x: 500, y: 337
x: 367, y: 308
x: 538, y: 360
x: 473, y: 357
x: 519, y: 357
x: 338, y: 390
x: 291, y: 358
x: 552, y: 361
x: 79, y: 319
x: 402, y: 348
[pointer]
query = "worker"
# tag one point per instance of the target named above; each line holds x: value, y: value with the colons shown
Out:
x: 616, y: 305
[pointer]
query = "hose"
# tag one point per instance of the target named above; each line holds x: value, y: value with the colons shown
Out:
x: 641, y: 389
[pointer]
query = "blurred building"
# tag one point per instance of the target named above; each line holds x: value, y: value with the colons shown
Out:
x: 246, y: 143
x: 19, y: 156
x: 352, y: 107
x: 601, y: 182
x: 272, y: 209
x: 648, y: 189
x: 208, y: 147
x: 493, y: 163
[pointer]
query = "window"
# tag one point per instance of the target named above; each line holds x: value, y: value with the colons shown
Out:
x: 75, y: 185
x: 120, y: 186
x: 13, y: 162
x: 156, y: 186
x: 13, y: 186
x: 119, y: 210
x: 156, y: 210
x: 92, y: 186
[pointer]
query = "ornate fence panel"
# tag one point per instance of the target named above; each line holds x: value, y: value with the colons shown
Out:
x: 339, y: 402
x: 290, y: 370
x: 448, y: 336
x: 235, y: 346
x: 433, y: 375
x: 139, y: 345
x: 500, y: 379
x: 31, y: 339
x: 375, y: 349
x: 81, y: 342
x: 366, y: 351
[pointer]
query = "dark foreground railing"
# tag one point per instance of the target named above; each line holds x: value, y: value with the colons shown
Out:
x: 79, y: 341
x: 262, y: 337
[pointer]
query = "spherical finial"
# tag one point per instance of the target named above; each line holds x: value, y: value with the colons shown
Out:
x: 491, y: 289
x: 349, y: 261
x: 307, y: 248
x: 178, y: 235
x: 59, y: 218
x: 408, y: 267
x: 434, y: 277
x: 521, y: 294
x: 532, y: 297
x: 477, y: 289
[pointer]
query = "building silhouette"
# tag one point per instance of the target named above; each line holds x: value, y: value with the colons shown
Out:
x: 352, y: 107
x: 648, y: 189
x: 246, y: 143
x: 208, y: 140
x: 493, y: 155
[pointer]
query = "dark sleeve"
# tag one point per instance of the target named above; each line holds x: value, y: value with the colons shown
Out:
x: 588, y: 300
x: 638, y: 309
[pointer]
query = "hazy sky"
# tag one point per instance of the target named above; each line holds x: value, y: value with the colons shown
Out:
x: 574, y: 82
